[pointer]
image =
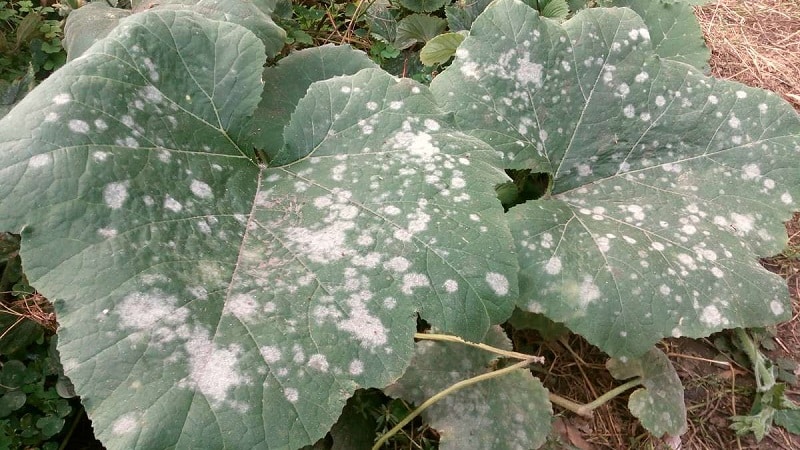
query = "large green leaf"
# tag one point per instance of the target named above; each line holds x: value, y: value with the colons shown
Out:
x: 667, y: 185
x: 251, y: 14
x: 288, y: 81
x: 418, y: 28
x: 208, y: 301
x: 462, y: 13
x: 659, y: 403
x: 88, y: 24
x: 423, y: 5
x: 508, y: 412
x: 674, y: 30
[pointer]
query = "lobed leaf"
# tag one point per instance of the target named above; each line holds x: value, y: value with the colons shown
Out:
x: 659, y: 404
x: 674, y: 30
x: 440, y: 49
x: 423, y: 5
x: 508, y: 412
x: 667, y: 185
x: 209, y: 301
x: 88, y: 24
x: 287, y: 82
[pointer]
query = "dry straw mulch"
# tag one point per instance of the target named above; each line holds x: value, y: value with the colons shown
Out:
x: 756, y: 43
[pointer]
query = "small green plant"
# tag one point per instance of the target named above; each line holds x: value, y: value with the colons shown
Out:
x: 29, y: 35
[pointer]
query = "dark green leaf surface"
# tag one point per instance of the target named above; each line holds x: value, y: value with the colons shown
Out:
x: 251, y: 14
x: 288, y: 81
x: 462, y: 13
x: 508, y: 412
x: 674, y: 30
x: 667, y: 185
x: 88, y: 24
x: 418, y: 28
x: 207, y: 301
x: 423, y: 5
x: 659, y: 405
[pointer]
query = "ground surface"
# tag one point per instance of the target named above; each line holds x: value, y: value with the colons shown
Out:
x: 756, y: 43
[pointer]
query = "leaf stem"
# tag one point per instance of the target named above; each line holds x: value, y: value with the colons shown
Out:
x: 488, y: 348
x: 456, y: 387
x: 587, y: 409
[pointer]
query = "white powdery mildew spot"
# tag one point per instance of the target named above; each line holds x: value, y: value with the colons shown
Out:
x: 629, y: 111
x: 397, y: 264
x: 414, y: 280
x: 588, y: 291
x: 450, y: 286
x: 62, y: 99
x: 324, y: 245
x: 151, y: 67
x: 470, y: 70
x: 733, y: 122
x: 786, y: 198
x: 212, y: 369
x: 270, y: 353
x: 498, y: 283
x: 125, y: 424
x: 78, y: 126
x: 152, y: 94
x: 172, y: 204
x: 742, y: 222
x: 292, y: 394
x: 419, y: 145
x: 553, y: 266
x: 431, y: 125
x: 712, y: 316
x: 658, y: 246
x: 201, y: 189
x: 107, y: 233
x: 115, y: 194
x: 142, y: 310
x: 529, y: 72
x: 318, y: 362
x: 362, y: 325
x: 243, y: 306
x: 39, y: 160
x: 776, y: 307
x: 750, y: 171
x: 356, y: 367
x: 660, y: 101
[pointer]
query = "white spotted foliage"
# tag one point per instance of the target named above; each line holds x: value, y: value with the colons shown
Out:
x: 667, y: 185
x: 659, y: 403
x: 210, y: 300
x: 508, y: 412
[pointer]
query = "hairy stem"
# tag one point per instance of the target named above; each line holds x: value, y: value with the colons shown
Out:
x: 488, y: 348
x: 587, y: 409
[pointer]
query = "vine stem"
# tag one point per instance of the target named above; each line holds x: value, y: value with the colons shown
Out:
x: 488, y: 348
x: 456, y: 387
x: 587, y: 409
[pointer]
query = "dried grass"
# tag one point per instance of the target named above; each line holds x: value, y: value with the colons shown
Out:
x: 756, y: 43
x: 32, y: 307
